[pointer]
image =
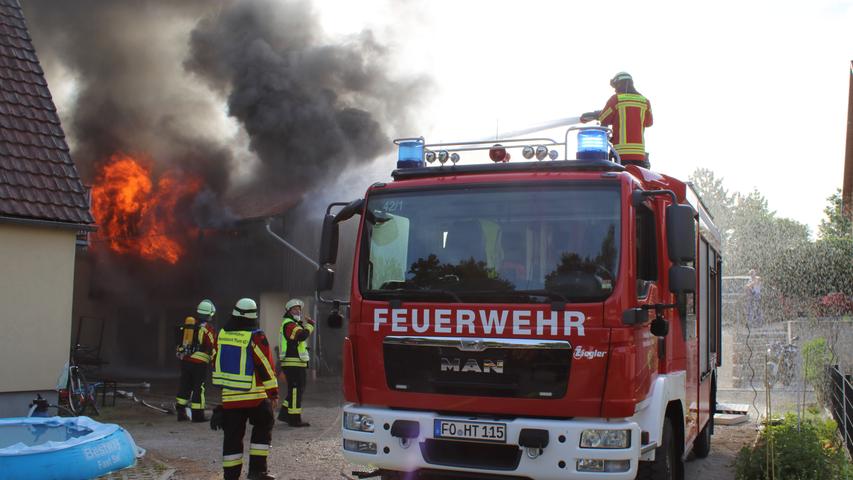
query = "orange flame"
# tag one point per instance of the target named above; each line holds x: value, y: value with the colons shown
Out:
x: 136, y: 217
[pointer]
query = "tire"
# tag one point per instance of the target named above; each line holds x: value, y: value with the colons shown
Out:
x: 667, y: 464
x: 702, y: 444
x: 76, y: 391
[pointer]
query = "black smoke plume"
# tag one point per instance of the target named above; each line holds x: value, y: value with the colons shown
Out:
x: 309, y: 106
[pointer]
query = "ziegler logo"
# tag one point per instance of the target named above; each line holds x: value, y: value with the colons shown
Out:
x: 471, y: 365
x: 588, y: 354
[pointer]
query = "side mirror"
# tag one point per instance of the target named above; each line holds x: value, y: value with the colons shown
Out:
x: 635, y: 316
x: 660, y: 327
x: 335, y: 320
x: 325, y: 279
x: 682, y: 279
x: 329, y: 241
x: 680, y: 233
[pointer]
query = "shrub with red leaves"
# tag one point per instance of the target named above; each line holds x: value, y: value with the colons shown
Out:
x: 837, y: 304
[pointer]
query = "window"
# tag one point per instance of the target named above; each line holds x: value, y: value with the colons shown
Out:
x: 646, y: 245
x: 524, y: 243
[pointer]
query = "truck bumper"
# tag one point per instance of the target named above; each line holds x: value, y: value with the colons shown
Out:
x: 561, y: 459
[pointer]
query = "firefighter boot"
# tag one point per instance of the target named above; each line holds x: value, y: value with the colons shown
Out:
x: 260, y: 476
x: 198, y: 415
x: 182, y: 413
x: 295, y: 420
x: 282, y: 415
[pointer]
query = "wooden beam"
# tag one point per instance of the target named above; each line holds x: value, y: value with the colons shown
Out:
x: 847, y: 190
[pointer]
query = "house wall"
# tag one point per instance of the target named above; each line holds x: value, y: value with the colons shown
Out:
x: 36, y: 290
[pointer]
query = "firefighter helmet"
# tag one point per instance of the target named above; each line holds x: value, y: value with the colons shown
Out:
x: 206, y: 307
x: 246, y: 308
x: 293, y: 302
x: 619, y: 77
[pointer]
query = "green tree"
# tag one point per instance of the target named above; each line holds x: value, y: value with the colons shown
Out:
x: 835, y: 225
x: 714, y: 195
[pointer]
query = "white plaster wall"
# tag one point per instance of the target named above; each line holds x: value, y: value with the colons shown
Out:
x: 36, y: 290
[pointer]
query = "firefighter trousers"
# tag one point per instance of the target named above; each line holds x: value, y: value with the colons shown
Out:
x: 296, y: 379
x: 234, y: 426
x: 191, y: 386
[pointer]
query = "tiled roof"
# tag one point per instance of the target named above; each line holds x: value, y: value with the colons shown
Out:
x: 38, y: 180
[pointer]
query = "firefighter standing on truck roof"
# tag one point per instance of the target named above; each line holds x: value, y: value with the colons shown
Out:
x: 629, y: 114
x: 194, y: 351
x: 294, y: 356
x: 243, y: 367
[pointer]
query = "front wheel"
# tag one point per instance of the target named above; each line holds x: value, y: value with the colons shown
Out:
x: 667, y: 464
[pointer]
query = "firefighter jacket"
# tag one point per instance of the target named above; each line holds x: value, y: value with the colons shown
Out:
x: 629, y: 114
x: 294, y: 346
x: 243, y: 366
x: 206, y: 338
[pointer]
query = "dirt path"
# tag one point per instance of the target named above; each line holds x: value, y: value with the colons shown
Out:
x: 725, y: 445
x: 314, y: 453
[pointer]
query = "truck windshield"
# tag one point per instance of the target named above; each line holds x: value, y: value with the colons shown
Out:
x: 525, y: 243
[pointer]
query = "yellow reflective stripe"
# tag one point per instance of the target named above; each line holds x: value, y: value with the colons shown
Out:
x: 271, y: 383
x: 232, y: 460
x: 606, y: 113
x: 201, y: 356
x: 181, y: 401
x: 631, y: 96
x: 293, y: 362
x: 264, y: 360
x: 197, y: 406
x: 310, y: 327
x: 259, y: 449
x: 231, y: 380
x: 293, y: 332
x: 295, y: 410
x: 630, y: 148
x: 240, y: 396
x: 284, y: 402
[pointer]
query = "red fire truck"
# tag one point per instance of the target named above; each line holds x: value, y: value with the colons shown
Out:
x: 537, y: 319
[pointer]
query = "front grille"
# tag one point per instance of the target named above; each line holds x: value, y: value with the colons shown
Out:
x: 429, y: 474
x: 452, y: 453
x: 499, y: 369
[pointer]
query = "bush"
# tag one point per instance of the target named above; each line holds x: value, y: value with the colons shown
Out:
x: 816, y: 357
x: 814, y: 452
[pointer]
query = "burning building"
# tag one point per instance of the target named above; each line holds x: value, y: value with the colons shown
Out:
x: 233, y: 118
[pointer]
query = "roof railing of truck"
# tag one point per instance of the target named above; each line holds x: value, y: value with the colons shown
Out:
x: 541, y: 154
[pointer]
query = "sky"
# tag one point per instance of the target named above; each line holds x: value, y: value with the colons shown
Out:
x: 756, y: 91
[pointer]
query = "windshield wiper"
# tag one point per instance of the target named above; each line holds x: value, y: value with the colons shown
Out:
x: 402, y: 292
x: 525, y: 295
x: 545, y: 293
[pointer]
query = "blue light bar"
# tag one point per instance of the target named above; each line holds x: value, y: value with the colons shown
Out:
x: 592, y: 144
x: 410, y: 153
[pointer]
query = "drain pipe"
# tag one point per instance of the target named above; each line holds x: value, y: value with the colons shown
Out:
x: 314, y: 314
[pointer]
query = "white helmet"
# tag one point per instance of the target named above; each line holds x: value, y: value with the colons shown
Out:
x: 293, y: 302
x: 205, y: 307
x: 246, y: 308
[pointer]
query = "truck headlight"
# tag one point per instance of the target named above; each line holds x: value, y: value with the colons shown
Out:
x: 605, y: 439
x: 358, y: 422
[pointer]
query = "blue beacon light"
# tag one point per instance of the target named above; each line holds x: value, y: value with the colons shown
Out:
x: 410, y: 152
x: 593, y: 144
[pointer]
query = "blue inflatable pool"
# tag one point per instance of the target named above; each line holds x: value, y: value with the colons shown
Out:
x: 59, y: 448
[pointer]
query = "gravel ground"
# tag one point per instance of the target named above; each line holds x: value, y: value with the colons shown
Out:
x: 313, y: 453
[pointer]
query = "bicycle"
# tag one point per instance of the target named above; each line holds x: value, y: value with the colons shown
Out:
x: 79, y: 393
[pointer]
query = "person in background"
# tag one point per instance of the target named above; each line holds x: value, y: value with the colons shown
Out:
x: 194, y: 352
x: 243, y: 367
x: 754, y: 315
x: 628, y: 113
x: 296, y: 328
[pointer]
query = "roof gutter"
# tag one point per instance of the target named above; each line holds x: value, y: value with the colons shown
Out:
x: 49, y: 224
